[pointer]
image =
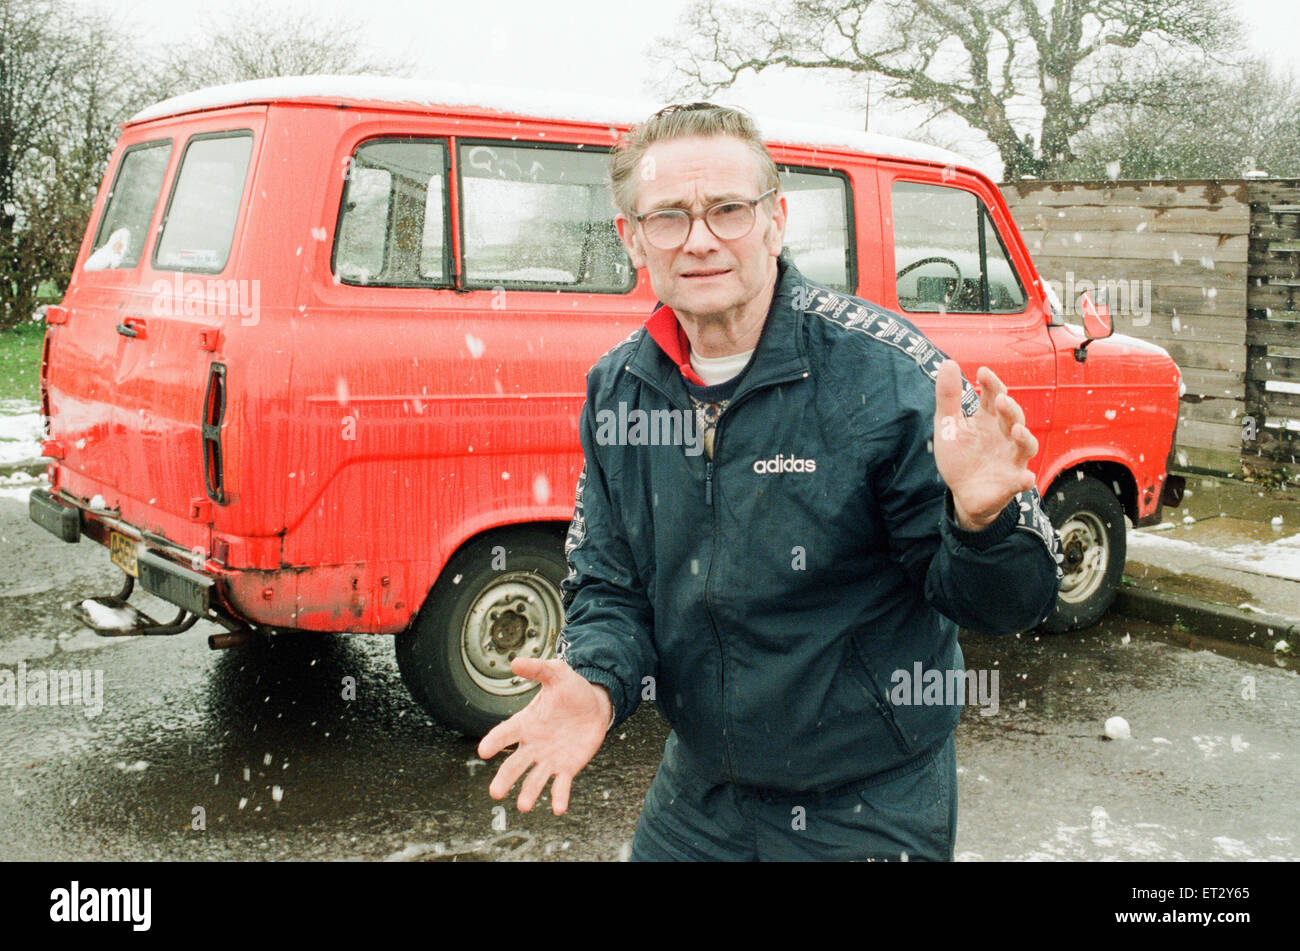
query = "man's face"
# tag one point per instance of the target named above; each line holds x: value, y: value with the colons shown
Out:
x: 705, y: 276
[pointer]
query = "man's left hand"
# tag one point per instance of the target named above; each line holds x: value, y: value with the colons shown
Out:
x: 983, y: 457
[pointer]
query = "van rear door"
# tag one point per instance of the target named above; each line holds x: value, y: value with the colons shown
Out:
x: 133, y: 357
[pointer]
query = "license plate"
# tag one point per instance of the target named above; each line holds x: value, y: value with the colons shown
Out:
x: 122, y: 552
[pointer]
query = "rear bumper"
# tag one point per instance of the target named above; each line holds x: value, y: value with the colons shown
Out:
x: 62, y: 521
x: 158, y: 574
x: 354, y: 597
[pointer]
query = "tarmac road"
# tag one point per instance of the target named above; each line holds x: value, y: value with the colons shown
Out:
x: 262, y: 740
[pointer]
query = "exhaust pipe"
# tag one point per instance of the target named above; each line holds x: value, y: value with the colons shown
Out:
x: 225, y: 639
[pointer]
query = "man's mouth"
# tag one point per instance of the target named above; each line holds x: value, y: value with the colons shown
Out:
x: 709, y: 272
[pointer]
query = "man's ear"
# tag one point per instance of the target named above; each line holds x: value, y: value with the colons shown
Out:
x: 631, y: 240
x: 776, y: 226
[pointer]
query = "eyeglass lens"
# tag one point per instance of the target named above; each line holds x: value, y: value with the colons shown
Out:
x: 728, y: 221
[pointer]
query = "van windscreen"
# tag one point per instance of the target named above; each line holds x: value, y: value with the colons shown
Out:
x: 199, y: 224
x: 120, y: 238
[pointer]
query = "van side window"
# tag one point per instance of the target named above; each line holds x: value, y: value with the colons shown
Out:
x: 540, y: 218
x: 120, y: 239
x: 817, y: 230
x: 199, y: 223
x: 392, y: 228
x: 948, y: 257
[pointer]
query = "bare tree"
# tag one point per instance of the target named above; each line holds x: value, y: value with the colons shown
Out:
x: 244, y: 44
x: 69, y: 77
x: 1237, y: 121
x: 1000, y: 65
x: 28, y: 69
x: 63, y: 89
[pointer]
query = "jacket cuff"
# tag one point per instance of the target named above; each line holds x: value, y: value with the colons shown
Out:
x: 990, y: 534
x: 617, y: 692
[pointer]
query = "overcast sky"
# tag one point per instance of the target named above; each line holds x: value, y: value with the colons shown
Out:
x: 600, y: 46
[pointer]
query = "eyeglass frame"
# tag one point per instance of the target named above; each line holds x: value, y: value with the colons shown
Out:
x: 691, y: 216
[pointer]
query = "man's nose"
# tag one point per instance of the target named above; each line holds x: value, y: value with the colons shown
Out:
x: 699, y: 238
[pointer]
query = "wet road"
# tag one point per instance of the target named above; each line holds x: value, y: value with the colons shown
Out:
x: 279, y: 765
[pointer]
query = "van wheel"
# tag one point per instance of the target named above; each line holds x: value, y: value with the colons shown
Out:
x: 497, y: 599
x: 1091, y: 524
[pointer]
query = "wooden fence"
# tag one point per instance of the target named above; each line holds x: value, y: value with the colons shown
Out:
x: 1209, y: 270
x: 1273, y: 326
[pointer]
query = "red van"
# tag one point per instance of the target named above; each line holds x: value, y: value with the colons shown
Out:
x: 321, y: 360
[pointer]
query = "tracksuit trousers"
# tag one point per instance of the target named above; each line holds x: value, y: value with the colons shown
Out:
x: 905, y: 814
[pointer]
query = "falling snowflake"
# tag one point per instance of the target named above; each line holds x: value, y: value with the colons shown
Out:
x: 541, y: 489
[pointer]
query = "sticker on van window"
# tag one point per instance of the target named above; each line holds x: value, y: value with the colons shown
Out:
x: 199, y: 225
x: 200, y: 257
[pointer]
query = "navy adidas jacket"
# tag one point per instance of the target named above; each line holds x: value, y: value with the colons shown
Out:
x: 765, y: 606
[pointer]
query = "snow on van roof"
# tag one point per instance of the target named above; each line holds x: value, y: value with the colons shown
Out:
x: 577, y: 107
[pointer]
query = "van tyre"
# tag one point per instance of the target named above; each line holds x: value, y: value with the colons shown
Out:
x: 498, y: 598
x: 1090, y: 521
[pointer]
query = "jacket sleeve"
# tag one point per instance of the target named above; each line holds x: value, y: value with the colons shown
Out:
x: 607, y: 635
x: 1001, y: 579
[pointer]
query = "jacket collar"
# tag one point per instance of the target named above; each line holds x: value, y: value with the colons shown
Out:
x: 662, y: 357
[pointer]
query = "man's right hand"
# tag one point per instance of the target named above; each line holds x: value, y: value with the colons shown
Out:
x: 557, y: 734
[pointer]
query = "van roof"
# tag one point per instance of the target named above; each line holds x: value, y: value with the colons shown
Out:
x: 563, y: 106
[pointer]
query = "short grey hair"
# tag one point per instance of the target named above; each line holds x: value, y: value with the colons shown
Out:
x: 683, y: 120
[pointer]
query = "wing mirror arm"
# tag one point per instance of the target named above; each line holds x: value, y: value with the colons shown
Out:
x: 1097, y: 322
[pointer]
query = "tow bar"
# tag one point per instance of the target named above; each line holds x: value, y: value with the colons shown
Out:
x: 111, y: 616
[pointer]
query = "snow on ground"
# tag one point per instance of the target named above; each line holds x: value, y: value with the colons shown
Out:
x: 20, y: 431
x: 17, y: 493
x: 1100, y: 836
x: 1276, y: 559
x: 19, y: 485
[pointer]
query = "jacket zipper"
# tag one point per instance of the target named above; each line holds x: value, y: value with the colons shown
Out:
x: 874, y: 696
x: 708, y: 574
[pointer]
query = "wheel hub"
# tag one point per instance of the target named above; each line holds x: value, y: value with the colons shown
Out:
x: 1073, y: 554
x: 509, y: 628
x: 1085, y: 547
x: 518, y: 615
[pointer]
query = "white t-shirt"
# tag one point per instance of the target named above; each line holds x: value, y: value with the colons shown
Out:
x: 715, y: 370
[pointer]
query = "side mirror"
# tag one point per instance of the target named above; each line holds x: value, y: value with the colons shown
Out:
x: 1096, y: 324
x: 1096, y: 318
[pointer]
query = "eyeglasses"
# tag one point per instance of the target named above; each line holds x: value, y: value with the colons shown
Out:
x: 669, y: 228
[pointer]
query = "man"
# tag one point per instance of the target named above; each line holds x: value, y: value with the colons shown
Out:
x: 845, y: 516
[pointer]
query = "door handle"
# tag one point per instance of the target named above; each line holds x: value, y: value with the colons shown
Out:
x: 132, y: 327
